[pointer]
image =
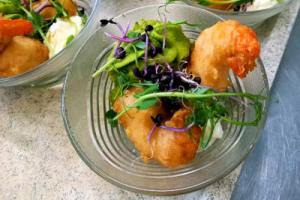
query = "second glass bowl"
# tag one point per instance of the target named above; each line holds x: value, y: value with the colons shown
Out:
x: 249, y: 18
x: 55, y: 69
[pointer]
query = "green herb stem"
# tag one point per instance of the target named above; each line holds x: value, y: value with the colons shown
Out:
x: 194, y: 96
x: 220, y: 2
x: 107, y: 64
x: 46, y: 42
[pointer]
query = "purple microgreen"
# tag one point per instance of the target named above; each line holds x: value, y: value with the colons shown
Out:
x: 178, y: 130
x: 169, y: 67
x: 120, y: 42
x: 165, y: 33
x: 39, y: 9
x: 127, y: 40
x: 150, y: 134
x: 153, y: 49
x: 146, y: 51
x: 191, y: 82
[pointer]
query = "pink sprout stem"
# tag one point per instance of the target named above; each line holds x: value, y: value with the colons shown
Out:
x: 150, y: 134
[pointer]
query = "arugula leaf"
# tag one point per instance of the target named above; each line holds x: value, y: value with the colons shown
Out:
x: 36, y: 19
x: 186, y: 22
x: 16, y: 2
x: 122, y: 78
x: 61, y: 11
x: 140, y: 44
x: 110, y: 114
x: 201, y: 90
x: 150, y: 90
x: 147, y: 104
x: 132, y: 35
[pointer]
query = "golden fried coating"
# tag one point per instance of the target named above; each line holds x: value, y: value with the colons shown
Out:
x: 167, y: 147
x: 138, y: 124
x: 221, y: 47
x: 12, y: 28
x: 175, y: 149
x: 21, y: 55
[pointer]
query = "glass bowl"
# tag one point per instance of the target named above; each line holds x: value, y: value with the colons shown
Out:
x: 250, y: 18
x: 55, y: 69
x: 112, y: 155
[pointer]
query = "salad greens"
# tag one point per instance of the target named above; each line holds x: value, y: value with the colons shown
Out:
x: 16, y: 9
x: 163, y: 77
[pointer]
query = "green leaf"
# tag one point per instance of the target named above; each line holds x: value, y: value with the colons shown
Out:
x: 132, y: 35
x: 140, y: 44
x: 150, y: 90
x: 147, y: 104
x: 186, y: 22
x: 201, y: 90
x: 176, y: 22
x: 122, y: 78
x: 8, y: 8
x: 83, y: 17
x: 61, y: 11
x: 16, y: 2
x: 110, y: 114
x: 36, y: 19
x: 69, y: 39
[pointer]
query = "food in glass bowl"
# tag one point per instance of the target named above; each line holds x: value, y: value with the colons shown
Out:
x: 236, y: 5
x: 31, y: 32
x: 170, y: 93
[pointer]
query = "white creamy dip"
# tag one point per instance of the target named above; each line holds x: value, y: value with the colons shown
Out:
x: 218, y: 134
x: 261, y: 4
x: 61, y: 30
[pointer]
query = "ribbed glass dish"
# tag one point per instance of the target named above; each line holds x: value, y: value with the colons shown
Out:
x: 54, y: 70
x: 252, y: 19
x: 112, y: 155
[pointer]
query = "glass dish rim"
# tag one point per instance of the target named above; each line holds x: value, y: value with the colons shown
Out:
x: 41, y: 67
x: 112, y: 180
x: 247, y: 13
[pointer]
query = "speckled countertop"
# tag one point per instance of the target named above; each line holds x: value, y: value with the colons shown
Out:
x: 37, y: 158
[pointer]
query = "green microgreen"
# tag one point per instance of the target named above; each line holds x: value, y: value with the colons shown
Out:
x: 186, y: 22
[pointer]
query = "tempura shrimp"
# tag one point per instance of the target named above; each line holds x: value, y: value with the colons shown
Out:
x: 12, y: 28
x: 221, y: 47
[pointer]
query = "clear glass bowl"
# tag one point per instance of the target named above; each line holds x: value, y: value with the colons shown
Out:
x: 250, y: 18
x: 112, y: 155
x: 55, y: 69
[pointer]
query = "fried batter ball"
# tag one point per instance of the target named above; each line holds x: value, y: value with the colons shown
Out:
x: 169, y: 148
x: 22, y: 54
x: 221, y: 47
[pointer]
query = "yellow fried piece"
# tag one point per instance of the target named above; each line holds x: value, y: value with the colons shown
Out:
x: 221, y: 47
x: 22, y: 54
x: 167, y: 147
x: 175, y: 149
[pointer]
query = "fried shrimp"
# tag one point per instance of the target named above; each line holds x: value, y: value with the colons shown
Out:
x: 21, y: 55
x: 12, y: 28
x: 169, y: 148
x: 17, y: 52
x: 221, y: 47
x: 175, y: 149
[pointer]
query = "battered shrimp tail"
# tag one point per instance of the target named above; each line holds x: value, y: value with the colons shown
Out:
x: 221, y: 47
x: 246, y: 49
